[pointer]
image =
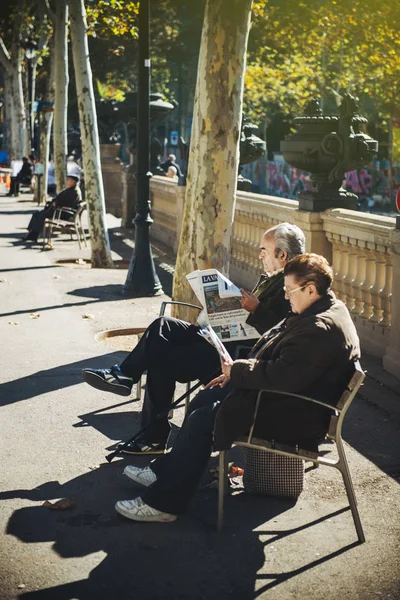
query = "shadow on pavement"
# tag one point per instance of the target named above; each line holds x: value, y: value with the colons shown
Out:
x: 31, y: 268
x: 53, y: 379
x: 183, y: 560
x: 369, y: 430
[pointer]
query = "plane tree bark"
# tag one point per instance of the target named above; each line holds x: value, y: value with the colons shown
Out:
x: 94, y: 190
x: 207, y: 223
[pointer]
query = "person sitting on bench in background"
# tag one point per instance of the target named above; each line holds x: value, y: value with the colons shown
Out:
x: 171, y: 350
x: 68, y: 198
x: 311, y: 353
x: 24, y: 176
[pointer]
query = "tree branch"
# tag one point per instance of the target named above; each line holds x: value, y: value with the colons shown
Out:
x: 5, y: 59
x: 49, y: 11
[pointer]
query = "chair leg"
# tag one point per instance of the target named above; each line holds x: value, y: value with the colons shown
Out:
x: 139, y: 389
x: 187, y: 400
x: 223, y: 469
x: 348, y: 484
x: 77, y: 236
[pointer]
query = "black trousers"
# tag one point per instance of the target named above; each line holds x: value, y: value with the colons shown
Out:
x: 170, y: 350
x: 179, y: 472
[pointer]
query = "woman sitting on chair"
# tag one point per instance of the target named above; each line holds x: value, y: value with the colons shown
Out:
x: 311, y: 352
x: 68, y: 198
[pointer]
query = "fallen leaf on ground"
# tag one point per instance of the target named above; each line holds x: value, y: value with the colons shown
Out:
x: 80, y: 261
x: 57, y: 277
x: 94, y: 467
x: 13, y: 322
x: 235, y: 472
x: 3, y: 280
x: 63, y: 504
x: 48, y: 246
x: 87, y: 316
x: 34, y: 315
x: 21, y: 586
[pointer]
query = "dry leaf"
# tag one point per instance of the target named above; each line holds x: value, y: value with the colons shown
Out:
x: 3, y: 280
x: 57, y: 277
x: 21, y: 586
x: 94, y: 467
x: 87, y: 316
x: 34, y: 315
x: 63, y: 504
x: 13, y: 322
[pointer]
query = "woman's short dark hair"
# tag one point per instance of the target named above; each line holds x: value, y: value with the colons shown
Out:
x: 311, y: 268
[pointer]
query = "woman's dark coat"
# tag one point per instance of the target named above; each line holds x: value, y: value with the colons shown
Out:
x: 311, y: 354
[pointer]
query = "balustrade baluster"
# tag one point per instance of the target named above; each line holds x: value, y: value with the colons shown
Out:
x: 386, y: 294
x: 359, y: 279
x: 344, y: 267
x: 368, y: 284
x: 351, y: 275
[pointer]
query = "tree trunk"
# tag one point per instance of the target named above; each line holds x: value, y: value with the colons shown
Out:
x: 9, y: 113
x: 19, y: 117
x: 61, y: 96
x: 46, y: 125
x: 205, y: 240
x: 94, y: 190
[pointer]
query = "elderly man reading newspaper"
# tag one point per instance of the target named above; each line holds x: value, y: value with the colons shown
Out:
x: 172, y: 350
x: 310, y: 352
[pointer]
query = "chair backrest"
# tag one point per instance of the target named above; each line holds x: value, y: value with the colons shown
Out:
x: 355, y: 381
x: 79, y: 211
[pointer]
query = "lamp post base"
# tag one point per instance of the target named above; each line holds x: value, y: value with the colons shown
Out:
x: 142, y: 279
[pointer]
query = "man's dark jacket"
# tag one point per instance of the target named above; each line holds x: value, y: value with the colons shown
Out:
x: 310, y: 354
x: 273, y: 305
x: 69, y: 198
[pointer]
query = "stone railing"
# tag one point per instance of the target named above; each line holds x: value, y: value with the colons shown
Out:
x: 362, y: 264
x: 362, y: 248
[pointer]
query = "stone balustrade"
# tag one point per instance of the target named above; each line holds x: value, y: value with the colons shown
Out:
x: 362, y: 264
x: 361, y: 247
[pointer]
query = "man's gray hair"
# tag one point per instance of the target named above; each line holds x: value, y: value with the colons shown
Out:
x: 289, y: 238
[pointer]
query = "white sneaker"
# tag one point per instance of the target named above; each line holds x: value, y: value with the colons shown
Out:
x: 137, y: 510
x: 143, y: 476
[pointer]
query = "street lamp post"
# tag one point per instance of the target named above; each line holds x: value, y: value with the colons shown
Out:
x: 142, y: 279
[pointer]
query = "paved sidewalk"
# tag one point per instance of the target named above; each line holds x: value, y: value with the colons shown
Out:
x: 55, y: 432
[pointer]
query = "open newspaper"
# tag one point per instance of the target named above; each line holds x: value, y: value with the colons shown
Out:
x: 220, y: 299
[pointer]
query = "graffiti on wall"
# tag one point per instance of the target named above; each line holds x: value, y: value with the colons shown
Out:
x: 371, y: 184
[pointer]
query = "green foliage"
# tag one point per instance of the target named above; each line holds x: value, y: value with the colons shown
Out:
x: 299, y: 49
x: 109, y: 18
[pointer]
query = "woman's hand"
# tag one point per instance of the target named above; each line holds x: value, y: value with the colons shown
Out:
x: 222, y: 380
x: 226, y: 365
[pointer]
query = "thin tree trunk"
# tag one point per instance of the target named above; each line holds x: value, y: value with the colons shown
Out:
x: 205, y: 240
x: 19, y: 115
x: 61, y: 96
x: 94, y: 190
x: 46, y: 125
x: 9, y: 113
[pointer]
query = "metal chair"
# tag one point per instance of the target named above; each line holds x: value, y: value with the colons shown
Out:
x: 334, y: 433
x: 161, y: 314
x: 67, y: 226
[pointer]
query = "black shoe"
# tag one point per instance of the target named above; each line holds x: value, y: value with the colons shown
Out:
x: 142, y: 448
x: 109, y: 380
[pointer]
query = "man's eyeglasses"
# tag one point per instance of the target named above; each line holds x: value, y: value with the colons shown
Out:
x: 290, y: 292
